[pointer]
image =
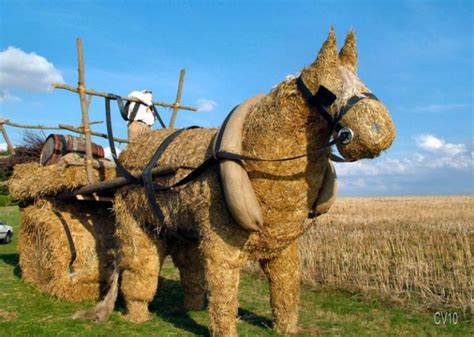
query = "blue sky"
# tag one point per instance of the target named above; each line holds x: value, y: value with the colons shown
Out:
x: 416, y: 56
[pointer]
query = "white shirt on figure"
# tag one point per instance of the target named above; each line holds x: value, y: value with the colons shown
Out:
x: 144, y: 112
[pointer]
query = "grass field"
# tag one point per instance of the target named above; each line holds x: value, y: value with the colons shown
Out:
x: 26, y: 312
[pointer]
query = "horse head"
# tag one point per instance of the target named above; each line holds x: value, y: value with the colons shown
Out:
x: 355, y: 116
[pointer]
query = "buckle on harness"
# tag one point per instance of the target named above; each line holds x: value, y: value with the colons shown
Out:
x: 346, y: 134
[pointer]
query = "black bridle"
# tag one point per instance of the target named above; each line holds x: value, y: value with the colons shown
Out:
x: 322, y: 100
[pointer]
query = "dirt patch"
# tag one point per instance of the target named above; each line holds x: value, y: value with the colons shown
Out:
x: 6, y: 316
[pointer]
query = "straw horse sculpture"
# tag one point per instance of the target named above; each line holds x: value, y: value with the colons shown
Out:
x: 279, y: 124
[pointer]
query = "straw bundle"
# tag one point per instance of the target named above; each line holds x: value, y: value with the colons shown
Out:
x: 31, y: 180
x: 45, y: 252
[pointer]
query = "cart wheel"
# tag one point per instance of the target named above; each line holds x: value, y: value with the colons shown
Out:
x: 8, y: 238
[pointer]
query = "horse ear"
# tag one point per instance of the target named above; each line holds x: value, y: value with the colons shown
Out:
x: 348, y: 53
x: 328, y: 53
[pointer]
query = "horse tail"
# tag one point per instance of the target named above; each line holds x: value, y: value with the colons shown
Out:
x: 102, y: 311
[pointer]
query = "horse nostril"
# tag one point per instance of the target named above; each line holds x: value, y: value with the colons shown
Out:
x: 375, y: 128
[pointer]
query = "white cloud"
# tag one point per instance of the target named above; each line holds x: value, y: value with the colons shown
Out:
x: 205, y: 105
x: 439, y: 155
x: 30, y: 72
x: 5, y: 96
x: 433, y: 144
x: 3, y: 146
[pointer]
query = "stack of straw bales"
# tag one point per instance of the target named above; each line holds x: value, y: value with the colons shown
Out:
x: 51, y: 228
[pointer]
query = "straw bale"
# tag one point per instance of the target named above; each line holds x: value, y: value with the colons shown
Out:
x: 45, y: 252
x: 281, y: 124
x: 31, y: 180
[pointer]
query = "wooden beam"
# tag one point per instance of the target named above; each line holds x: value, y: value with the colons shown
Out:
x: 94, y: 133
x: 10, y: 147
x: 126, y: 98
x: 62, y: 127
x: 115, y: 183
x: 94, y: 197
x: 177, y: 102
x: 81, y: 87
x: 38, y: 126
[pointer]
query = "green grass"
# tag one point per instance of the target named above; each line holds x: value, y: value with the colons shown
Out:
x: 26, y: 312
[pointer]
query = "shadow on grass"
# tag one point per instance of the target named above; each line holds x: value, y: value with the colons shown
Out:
x: 12, y: 259
x: 168, y: 305
x: 254, y: 319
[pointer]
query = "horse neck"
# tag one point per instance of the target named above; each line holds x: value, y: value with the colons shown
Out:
x: 280, y: 125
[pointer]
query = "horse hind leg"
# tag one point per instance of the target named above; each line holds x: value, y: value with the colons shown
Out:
x: 140, y: 261
x: 187, y: 258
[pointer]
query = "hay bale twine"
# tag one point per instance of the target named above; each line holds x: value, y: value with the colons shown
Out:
x: 45, y: 250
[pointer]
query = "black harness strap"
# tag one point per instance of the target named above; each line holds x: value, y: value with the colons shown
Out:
x: 70, y: 241
x: 195, y: 173
x: 124, y: 110
x: 134, y: 112
x: 157, y: 116
x: 322, y: 99
x: 122, y: 171
x: 147, y: 178
x: 353, y: 101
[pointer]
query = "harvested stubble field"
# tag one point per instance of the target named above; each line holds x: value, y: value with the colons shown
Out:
x: 409, y: 250
x: 24, y: 311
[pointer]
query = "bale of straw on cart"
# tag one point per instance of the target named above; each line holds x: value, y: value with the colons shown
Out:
x: 67, y: 248
x: 33, y: 181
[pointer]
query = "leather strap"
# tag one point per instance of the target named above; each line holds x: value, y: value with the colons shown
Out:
x: 157, y: 116
x: 70, y: 240
x: 134, y: 111
x: 122, y: 171
x: 353, y: 101
x: 147, y: 178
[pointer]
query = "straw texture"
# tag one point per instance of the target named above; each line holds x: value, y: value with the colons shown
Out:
x: 45, y: 252
x: 31, y: 180
x: 281, y: 124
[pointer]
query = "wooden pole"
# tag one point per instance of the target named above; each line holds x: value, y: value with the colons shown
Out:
x: 115, y: 183
x: 177, y: 102
x: 94, y: 133
x: 85, y: 114
x: 104, y: 94
x: 62, y: 127
x: 7, y: 139
x: 39, y: 126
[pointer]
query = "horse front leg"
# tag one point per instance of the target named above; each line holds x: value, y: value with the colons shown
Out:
x: 222, y: 264
x: 283, y: 273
